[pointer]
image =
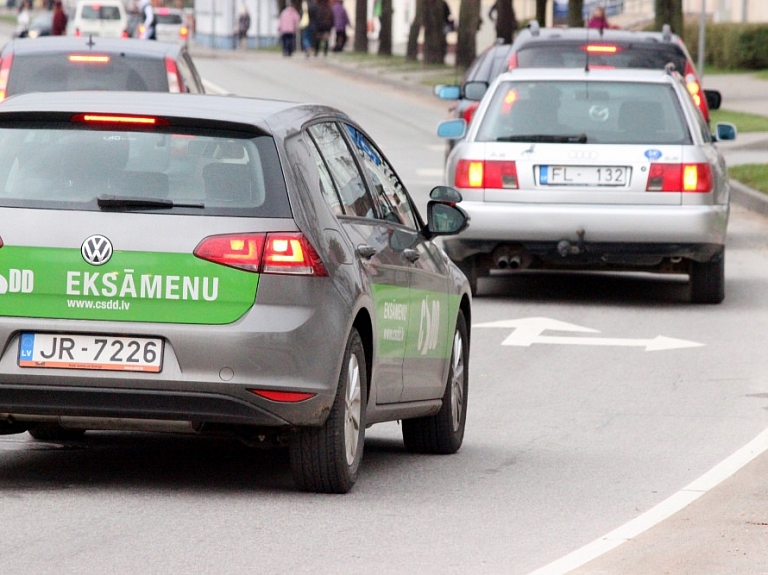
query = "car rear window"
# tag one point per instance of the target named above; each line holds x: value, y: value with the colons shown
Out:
x: 98, y: 12
x: 591, y: 112
x: 600, y: 54
x: 65, y: 72
x: 202, y: 174
x: 168, y: 19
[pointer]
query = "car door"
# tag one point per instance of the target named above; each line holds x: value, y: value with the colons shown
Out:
x: 359, y: 216
x: 428, y: 315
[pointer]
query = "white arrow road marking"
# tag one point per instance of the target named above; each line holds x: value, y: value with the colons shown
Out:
x: 528, y: 331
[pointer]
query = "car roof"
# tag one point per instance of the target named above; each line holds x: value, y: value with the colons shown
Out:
x: 638, y: 75
x: 535, y: 34
x: 245, y: 114
x: 54, y: 44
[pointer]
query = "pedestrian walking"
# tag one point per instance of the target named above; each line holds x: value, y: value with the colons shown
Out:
x: 243, y: 25
x: 59, y: 25
x: 324, y: 26
x: 288, y: 28
x: 22, y: 20
x: 308, y: 26
x: 340, y: 23
x: 148, y: 15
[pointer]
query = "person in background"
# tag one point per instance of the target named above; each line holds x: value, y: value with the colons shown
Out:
x: 148, y: 22
x: 22, y: 20
x: 59, y: 25
x: 324, y: 26
x: 598, y: 19
x: 308, y: 26
x: 340, y: 23
x: 243, y: 25
x: 288, y: 28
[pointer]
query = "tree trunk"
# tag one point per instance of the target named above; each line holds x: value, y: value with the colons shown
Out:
x: 385, y: 32
x: 469, y: 24
x: 670, y: 12
x: 506, y: 21
x: 541, y: 12
x: 412, y: 52
x: 435, y: 45
x: 361, y: 26
x: 575, y: 13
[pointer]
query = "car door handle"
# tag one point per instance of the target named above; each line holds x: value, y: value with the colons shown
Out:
x: 366, y: 251
x: 411, y: 255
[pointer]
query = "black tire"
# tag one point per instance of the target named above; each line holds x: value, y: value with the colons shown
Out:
x: 327, y: 459
x: 469, y: 268
x: 708, y: 280
x: 54, y: 432
x: 443, y: 432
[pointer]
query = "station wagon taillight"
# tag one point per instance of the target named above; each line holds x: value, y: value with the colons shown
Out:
x: 175, y: 85
x: 270, y: 253
x: 696, y: 178
x: 183, y: 32
x: 5, y: 69
x: 498, y: 174
x: 694, y: 88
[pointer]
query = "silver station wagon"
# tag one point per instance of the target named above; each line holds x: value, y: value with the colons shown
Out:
x: 218, y: 265
x: 575, y: 169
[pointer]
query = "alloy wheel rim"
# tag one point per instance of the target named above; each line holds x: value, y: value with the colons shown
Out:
x: 457, y: 383
x: 352, y: 410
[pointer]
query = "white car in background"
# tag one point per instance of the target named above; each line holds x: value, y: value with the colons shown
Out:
x: 106, y: 18
x: 170, y: 26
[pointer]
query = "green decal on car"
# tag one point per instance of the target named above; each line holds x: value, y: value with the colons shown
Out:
x: 132, y: 286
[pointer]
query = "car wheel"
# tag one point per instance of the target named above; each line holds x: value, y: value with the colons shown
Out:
x: 708, y: 280
x: 468, y: 267
x: 326, y: 459
x: 443, y: 432
x: 54, y: 432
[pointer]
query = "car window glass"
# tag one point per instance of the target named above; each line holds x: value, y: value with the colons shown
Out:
x: 393, y: 200
x: 327, y: 187
x: 69, y: 169
x: 610, y: 55
x: 98, y: 12
x: 343, y: 170
x: 173, y: 19
x: 58, y: 73
x: 605, y: 112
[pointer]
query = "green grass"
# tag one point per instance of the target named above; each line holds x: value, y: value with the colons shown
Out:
x: 753, y: 175
x: 744, y: 122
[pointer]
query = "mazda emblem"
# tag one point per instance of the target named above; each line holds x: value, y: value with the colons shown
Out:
x: 96, y: 250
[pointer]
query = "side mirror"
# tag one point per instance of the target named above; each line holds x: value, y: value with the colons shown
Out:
x: 725, y: 131
x: 445, y: 194
x: 445, y: 219
x: 447, y: 92
x: 714, y: 99
x: 475, y: 90
x: 452, y: 129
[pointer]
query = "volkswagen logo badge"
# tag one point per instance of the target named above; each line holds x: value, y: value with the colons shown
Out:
x: 96, y: 250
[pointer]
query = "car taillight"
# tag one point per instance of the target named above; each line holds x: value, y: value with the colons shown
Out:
x: 89, y: 58
x: 512, y: 61
x: 183, y: 32
x: 77, y: 32
x: 283, y: 396
x: 694, y: 88
x: 118, y: 120
x: 5, y: 70
x: 486, y: 174
x: 469, y: 112
x: 680, y: 178
x: 271, y: 253
x: 601, y: 49
x: 175, y: 84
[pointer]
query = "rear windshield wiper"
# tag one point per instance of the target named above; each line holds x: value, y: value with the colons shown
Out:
x: 546, y: 138
x: 133, y: 203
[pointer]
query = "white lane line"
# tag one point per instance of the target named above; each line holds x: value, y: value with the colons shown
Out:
x: 660, y: 512
x: 211, y: 88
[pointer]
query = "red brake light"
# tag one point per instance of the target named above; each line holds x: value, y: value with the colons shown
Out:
x: 119, y: 119
x: 5, y: 70
x: 601, y: 48
x: 679, y: 178
x: 275, y: 253
x: 89, y: 58
x: 486, y: 174
x: 694, y: 88
x: 509, y: 99
x: 183, y: 32
x: 283, y: 396
x: 175, y: 84
x: 77, y: 32
x: 512, y: 61
x: 469, y: 112
x: 163, y: 11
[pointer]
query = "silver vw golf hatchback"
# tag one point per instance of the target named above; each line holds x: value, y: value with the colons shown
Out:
x: 221, y: 265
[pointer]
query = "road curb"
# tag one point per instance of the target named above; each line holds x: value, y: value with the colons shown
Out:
x: 748, y: 198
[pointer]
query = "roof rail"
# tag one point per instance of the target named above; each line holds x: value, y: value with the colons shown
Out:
x: 534, y: 27
x: 666, y: 32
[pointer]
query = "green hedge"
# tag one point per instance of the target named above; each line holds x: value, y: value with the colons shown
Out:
x: 730, y: 46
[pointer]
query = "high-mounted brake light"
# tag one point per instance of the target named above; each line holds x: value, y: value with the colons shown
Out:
x: 119, y: 119
x: 5, y: 70
x: 89, y: 58
x: 601, y: 48
x: 271, y: 253
x: 695, y: 178
x: 497, y: 174
x: 509, y: 99
x: 175, y: 84
x: 283, y: 396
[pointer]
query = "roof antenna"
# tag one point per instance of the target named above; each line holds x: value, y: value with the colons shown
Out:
x: 90, y: 42
x: 586, y: 49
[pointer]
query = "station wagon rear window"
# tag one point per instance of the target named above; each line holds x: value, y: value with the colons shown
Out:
x: 602, y: 54
x: 147, y: 171
x: 572, y: 112
x: 97, y: 12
